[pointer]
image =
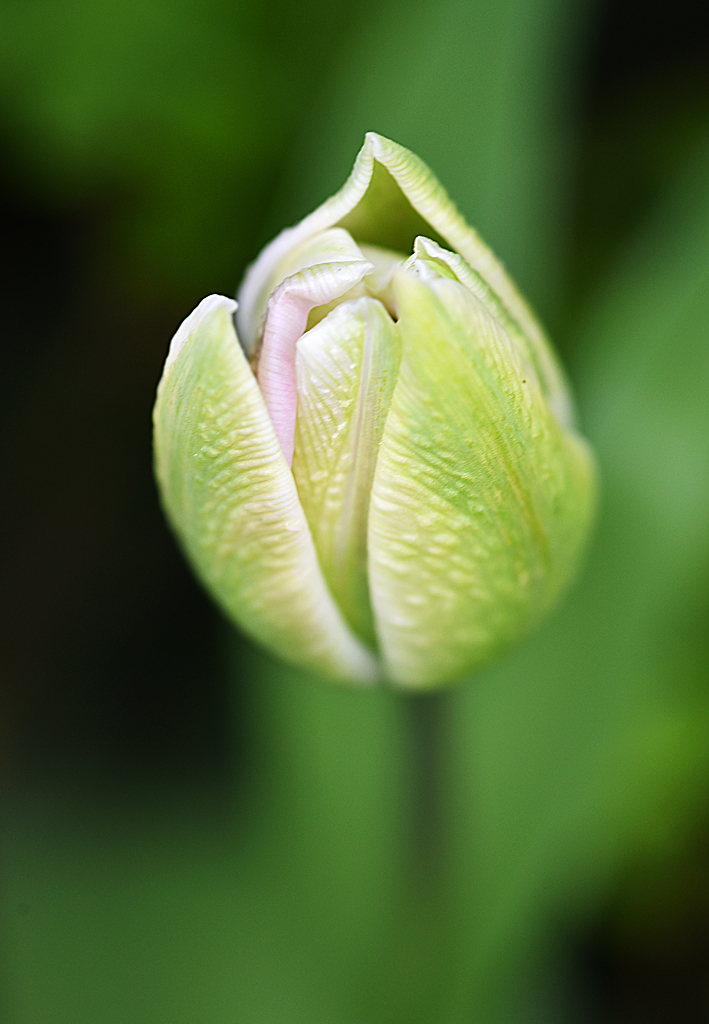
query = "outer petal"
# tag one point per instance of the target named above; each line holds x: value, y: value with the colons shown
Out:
x: 481, y: 499
x: 540, y: 357
x: 391, y: 197
x: 232, y: 501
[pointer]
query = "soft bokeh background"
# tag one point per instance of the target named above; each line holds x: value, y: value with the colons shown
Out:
x: 192, y: 834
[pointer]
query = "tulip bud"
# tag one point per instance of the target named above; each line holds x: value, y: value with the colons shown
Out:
x: 373, y: 465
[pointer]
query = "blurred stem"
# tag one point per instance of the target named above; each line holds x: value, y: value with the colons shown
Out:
x: 428, y: 721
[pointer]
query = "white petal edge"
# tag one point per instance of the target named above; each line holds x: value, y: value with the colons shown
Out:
x: 191, y: 323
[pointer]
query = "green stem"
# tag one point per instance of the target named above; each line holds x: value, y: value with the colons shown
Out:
x: 428, y: 720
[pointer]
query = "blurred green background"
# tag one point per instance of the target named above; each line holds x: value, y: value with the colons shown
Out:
x: 192, y: 834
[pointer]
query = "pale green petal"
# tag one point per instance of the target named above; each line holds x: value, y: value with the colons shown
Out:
x: 481, y: 500
x: 391, y: 197
x: 232, y: 501
x: 442, y: 262
x: 346, y: 368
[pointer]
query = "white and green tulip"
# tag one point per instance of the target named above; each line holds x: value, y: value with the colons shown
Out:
x: 372, y: 462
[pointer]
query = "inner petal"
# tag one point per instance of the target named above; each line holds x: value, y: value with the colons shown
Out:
x: 378, y: 283
x: 333, y: 245
x: 286, y: 320
x: 346, y: 368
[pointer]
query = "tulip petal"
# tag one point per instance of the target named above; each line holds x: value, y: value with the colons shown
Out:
x: 346, y: 367
x: 390, y: 197
x: 481, y: 499
x: 287, y: 318
x: 334, y: 245
x: 232, y: 501
x: 541, y: 357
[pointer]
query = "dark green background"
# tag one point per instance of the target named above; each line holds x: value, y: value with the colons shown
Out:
x: 192, y: 834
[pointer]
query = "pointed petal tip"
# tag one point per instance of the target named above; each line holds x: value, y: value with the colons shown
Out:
x: 379, y: 141
x: 190, y: 324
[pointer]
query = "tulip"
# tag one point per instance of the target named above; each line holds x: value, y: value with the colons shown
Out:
x: 372, y: 462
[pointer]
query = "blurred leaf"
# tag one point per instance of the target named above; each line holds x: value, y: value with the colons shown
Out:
x: 170, y: 115
x: 631, y: 152
x: 184, y: 916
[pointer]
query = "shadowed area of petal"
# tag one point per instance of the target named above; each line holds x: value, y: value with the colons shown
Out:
x: 232, y: 501
x: 481, y: 500
x: 346, y: 369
